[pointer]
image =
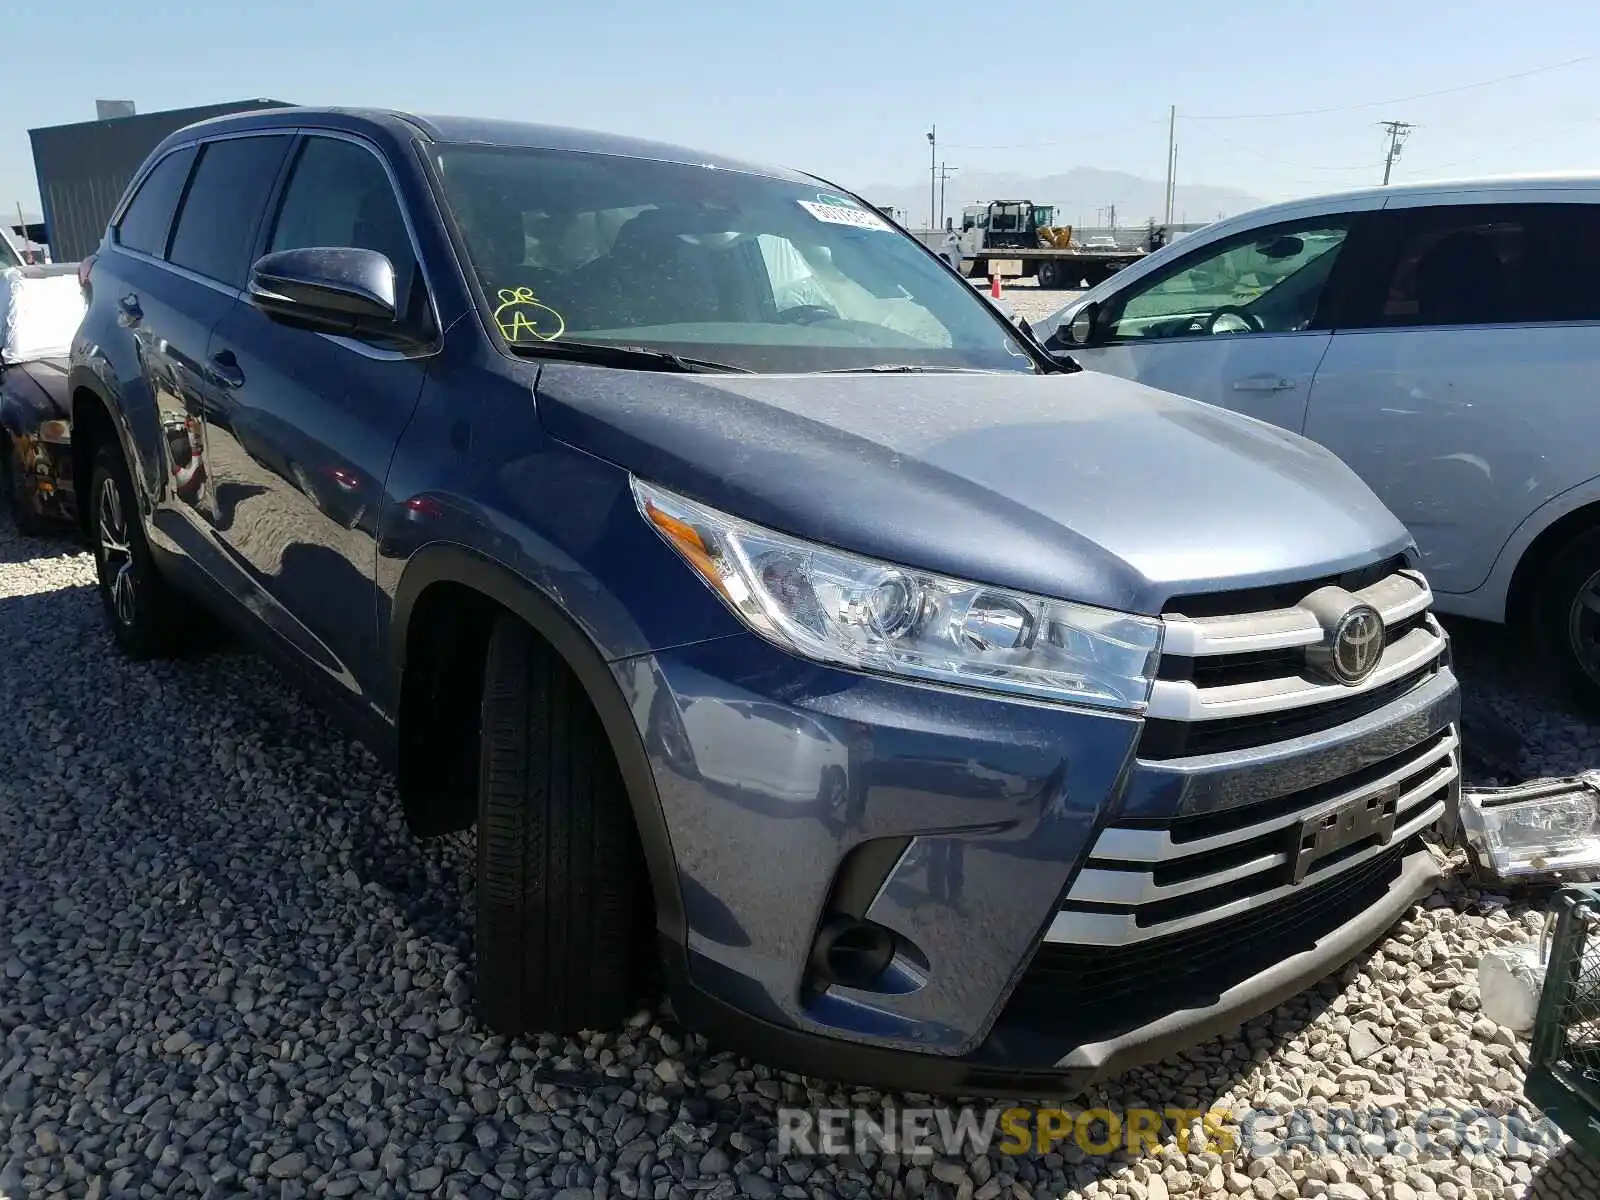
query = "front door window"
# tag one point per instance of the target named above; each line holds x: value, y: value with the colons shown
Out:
x: 1269, y: 281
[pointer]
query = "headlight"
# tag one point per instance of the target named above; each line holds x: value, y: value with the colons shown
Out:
x: 836, y: 607
x: 1543, y: 827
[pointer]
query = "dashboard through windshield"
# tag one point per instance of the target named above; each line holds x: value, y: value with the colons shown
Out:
x: 761, y: 273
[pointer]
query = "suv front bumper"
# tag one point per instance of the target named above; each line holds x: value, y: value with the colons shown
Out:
x: 1018, y: 1062
x: 965, y: 824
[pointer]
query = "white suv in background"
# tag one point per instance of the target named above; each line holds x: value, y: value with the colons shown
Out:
x: 1443, y: 339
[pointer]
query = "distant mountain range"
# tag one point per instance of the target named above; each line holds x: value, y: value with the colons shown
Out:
x: 1079, y: 196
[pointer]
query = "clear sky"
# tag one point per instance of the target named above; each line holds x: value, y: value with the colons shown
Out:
x: 849, y: 89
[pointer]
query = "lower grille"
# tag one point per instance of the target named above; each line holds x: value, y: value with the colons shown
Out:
x: 1147, y: 881
x: 1123, y: 987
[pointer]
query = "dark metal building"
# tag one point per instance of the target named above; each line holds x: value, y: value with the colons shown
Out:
x: 83, y: 168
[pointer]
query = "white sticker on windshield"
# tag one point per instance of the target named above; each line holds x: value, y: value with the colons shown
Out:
x: 844, y: 214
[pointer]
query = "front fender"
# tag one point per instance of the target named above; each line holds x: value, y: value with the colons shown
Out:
x: 442, y: 562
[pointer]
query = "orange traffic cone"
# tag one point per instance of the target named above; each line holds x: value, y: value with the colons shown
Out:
x: 994, y: 286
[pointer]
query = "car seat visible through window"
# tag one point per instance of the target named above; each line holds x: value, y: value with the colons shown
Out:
x: 1461, y: 281
x: 652, y: 276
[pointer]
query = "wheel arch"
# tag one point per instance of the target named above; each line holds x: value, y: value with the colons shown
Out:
x: 1541, y: 548
x: 452, y: 568
x: 92, y: 424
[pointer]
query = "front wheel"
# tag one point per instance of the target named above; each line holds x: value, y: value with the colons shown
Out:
x: 563, y: 897
x: 1049, y: 275
x: 147, y: 617
x: 1567, y: 618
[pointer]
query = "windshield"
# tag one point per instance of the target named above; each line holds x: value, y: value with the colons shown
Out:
x: 756, y: 272
x: 8, y: 256
x: 1008, y: 218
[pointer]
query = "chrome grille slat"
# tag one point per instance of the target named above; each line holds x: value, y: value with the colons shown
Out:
x: 1156, y: 845
x: 1397, y: 598
x: 1183, y: 700
x: 1418, y: 807
x: 1099, y: 886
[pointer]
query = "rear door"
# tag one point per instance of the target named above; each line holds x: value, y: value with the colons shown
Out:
x: 1241, y: 322
x: 177, y: 267
x: 1464, y: 382
x: 306, y: 423
x: 169, y: 315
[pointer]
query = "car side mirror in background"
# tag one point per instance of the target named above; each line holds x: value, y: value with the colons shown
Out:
x: 1078, y: 332
x: 1282, y: 247
x: 337, y: 289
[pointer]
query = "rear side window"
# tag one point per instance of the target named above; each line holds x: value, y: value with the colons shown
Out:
x: 148, y: 218
x: 1459, y: 266
x: 340, y: 195
x: 220, y: 215
x: 1491, y: 265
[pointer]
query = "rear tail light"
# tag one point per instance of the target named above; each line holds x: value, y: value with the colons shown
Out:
x: 423, y: 508
x: 83, y: 272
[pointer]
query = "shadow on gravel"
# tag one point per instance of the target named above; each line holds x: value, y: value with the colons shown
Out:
x: 1569, y: 1175
x: 1504, y: 692
x: 62, y: 543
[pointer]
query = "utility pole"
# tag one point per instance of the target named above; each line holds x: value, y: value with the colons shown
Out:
x: 1398, y: 132
x: 933, y: 177
x: 1172, y: 156
x: 944, y: 177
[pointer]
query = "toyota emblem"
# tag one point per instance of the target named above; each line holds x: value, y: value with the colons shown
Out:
x: 1355, y: 644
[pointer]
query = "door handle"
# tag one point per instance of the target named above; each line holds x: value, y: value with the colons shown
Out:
x: 128, y: 311
x: 1264, y: 383
x: 225, y: 369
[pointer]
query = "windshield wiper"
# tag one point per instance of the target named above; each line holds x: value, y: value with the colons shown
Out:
x: 639, y: 358
x: 902, y: 369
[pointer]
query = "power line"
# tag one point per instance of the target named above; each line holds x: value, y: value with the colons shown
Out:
x: 1343, y: 108
x: 1520, y: 145
x: 1077, y: 141
x: 1284, y: 162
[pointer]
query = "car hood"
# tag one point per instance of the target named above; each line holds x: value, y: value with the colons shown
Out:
x: 1081, y: 486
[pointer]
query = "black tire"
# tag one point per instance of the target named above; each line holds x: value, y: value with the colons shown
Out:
x: 1565, y: 627
x: 148, y: 618
x: 563, y: 897
x: 1049, y: 274
x: 27, y: 521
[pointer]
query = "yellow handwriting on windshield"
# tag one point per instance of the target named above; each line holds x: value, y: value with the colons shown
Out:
x: 521, y: 315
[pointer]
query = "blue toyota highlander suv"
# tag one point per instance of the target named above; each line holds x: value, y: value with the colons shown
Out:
x: 798, y: 635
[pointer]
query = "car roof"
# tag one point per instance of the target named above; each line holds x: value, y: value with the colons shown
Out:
x: 482, y: 131
x: 1573, y: 180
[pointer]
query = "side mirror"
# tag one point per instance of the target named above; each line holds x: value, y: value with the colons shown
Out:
x: 1282, y: 247
x: 1079, y: 331
x: 334, y: 288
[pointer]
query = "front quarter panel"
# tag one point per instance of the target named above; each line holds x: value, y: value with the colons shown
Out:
x: 475, y: 469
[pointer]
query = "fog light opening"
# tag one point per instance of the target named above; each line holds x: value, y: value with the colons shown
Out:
x: 852, y: 952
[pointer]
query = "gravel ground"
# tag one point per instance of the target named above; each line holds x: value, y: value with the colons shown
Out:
x: 228, y: 970
x: 1031, y: 302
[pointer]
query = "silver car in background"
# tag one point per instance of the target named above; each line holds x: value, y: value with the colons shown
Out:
x: 1443, y: 339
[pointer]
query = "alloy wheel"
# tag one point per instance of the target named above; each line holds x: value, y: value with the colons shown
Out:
x: 1583, y: 627
x: 111, y: 546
